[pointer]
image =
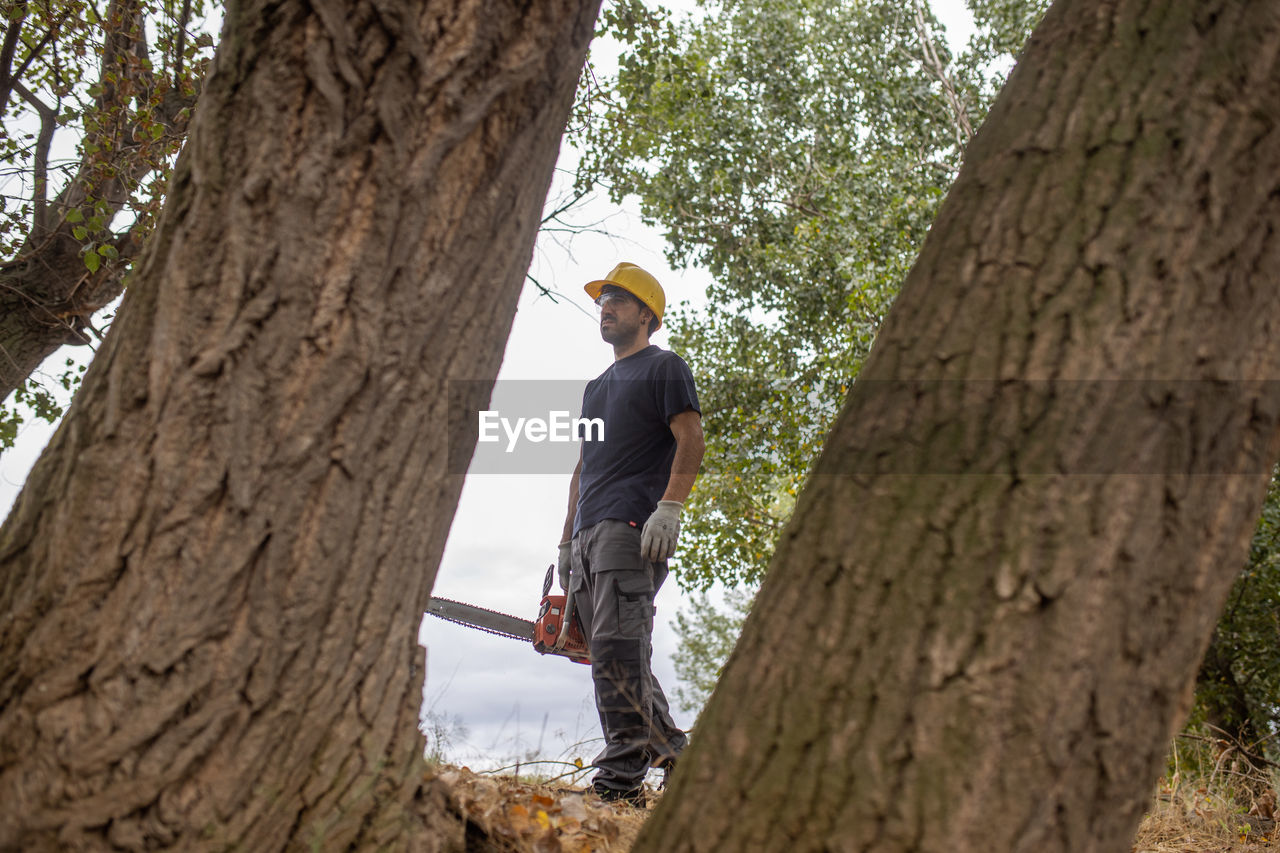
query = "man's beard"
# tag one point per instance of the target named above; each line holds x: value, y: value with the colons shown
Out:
x: 619, y: 333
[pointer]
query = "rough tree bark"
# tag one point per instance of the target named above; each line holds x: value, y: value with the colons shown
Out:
x: 213, y: 579
x: 982, y: 625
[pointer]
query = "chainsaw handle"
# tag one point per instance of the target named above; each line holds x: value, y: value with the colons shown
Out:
x: 558, y: 630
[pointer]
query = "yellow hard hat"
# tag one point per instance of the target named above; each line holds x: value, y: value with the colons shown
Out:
x: 638, y: 283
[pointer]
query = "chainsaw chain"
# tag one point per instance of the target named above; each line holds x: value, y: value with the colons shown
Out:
x: 480, y: 627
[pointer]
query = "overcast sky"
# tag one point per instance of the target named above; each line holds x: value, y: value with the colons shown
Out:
x: 513, y: 702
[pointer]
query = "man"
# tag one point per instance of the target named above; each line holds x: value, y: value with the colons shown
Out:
x: 624, y: 517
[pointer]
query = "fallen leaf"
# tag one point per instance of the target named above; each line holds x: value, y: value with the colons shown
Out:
x: 547, y: 843
x: 574, y: 807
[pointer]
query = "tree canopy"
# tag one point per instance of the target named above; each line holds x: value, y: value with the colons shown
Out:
x: 94, y: 105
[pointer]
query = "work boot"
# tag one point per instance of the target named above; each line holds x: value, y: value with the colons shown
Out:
x: 634, y: 797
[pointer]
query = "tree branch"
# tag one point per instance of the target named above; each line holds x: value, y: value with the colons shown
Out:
x: 799, y: 207
x: 552, y: 294
x: 932, y: 61
x: 182, y: 39
x: 7, y: 51
x: 40, y: 169
x: 32, y: 54
x: 546, y: 291
x: 573, y: 199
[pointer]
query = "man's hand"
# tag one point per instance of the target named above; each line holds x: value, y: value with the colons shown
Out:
x: 564, y: 562
x: 658, y: 539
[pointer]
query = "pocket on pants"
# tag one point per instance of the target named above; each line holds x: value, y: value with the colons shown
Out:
x: 635, y: 604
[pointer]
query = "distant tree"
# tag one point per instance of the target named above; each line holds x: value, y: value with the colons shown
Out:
x: 707, y: 633
x: 983, y: 622
x: 1238, y: 689
x: 214, y: 576
x: 94, y: 104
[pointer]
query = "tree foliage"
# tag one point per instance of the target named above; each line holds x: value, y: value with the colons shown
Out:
x: 94, y: 104
x: 798, y: 151
x: 1238, y: 688
x: 707, y: 633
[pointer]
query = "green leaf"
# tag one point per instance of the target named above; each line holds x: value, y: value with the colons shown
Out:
x: 74, y: 215
x: 79, y: 232
x: 10, y: 420
x: 92, y: 260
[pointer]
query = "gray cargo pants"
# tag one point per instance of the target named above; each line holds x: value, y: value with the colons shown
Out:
x: 613, y: 589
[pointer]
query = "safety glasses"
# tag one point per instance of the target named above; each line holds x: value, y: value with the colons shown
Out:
x: 617, y: 297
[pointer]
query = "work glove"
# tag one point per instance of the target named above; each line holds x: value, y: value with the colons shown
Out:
x: 564, y: 563
x: 658, y: 539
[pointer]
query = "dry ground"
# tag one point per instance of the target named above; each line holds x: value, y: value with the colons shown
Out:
x: 1209, y: 817
x: 531, y: 817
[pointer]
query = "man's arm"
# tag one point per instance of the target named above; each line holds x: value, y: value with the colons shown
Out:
x: 687, y: 428
x: 658, y: 538
x: 564, y: 559
x: 573, y: 500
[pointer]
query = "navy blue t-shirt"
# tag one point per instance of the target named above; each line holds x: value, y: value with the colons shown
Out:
x: 624, y: 476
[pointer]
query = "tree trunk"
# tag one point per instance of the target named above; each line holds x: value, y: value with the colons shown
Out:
x: 213, y: 579
x: 983, y: 624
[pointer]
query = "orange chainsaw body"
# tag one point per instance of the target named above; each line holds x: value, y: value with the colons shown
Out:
x: 551, y: 621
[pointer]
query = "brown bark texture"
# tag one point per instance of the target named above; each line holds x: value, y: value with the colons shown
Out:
x: 983, y: 623
x: 212, y: 582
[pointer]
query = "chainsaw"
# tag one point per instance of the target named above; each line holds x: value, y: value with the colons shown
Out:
x: 557, y: 630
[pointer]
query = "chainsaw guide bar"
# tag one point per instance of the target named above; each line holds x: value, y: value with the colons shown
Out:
x: 481, y: 618
x: 558, y: 630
